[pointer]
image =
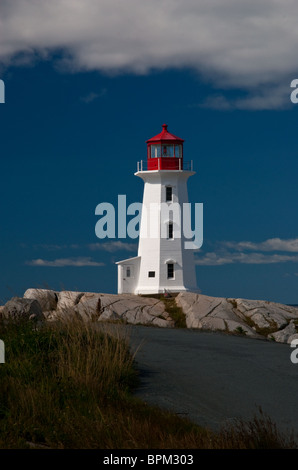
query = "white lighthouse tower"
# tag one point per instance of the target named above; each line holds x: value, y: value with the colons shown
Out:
x: 163, y: 264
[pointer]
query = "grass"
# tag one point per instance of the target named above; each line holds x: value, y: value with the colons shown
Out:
x: 175, y: 312
x: 264, y: 331
x: 240, y: 331
x: 69, y: 385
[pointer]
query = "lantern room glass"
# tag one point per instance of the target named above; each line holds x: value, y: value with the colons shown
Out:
x: 178, y: 151
x: 166, y: 150
x: 155, y: 151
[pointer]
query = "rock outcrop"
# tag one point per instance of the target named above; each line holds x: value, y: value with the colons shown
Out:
x: 91, y: 306
x: 46, y: 298
x: 255, y: 318
x: 285, y: 335
x: 251, y: 317
x: 26, y: 308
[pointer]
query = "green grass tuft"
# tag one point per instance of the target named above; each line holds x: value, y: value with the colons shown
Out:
x: 175, y: 312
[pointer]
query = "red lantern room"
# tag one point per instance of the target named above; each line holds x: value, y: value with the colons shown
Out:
x: 165, y: 151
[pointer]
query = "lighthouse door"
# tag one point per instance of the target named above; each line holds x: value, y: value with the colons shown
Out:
x: 128, y: 277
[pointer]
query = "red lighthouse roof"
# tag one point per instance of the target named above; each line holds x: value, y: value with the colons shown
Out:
x: 165, y: 136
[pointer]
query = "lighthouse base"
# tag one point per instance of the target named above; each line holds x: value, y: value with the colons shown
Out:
x: 160, y: 290
x: 129, y: 281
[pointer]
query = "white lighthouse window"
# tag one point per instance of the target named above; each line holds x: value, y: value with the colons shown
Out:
x: 169, y: 193
x: 151, y: 273
x: 170, y: 268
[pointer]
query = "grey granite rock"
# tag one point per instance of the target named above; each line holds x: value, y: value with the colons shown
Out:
x: 283, y: 335
x: 19, y: 307
x: 236, y: 314
x: 46, y: 298
x: 249, y: 317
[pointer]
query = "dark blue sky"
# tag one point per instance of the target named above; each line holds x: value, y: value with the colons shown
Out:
x: 71, y: 139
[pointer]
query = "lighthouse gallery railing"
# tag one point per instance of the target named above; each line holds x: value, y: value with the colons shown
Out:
x: 164, y: 164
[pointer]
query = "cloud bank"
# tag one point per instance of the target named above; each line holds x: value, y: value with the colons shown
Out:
x: 113, y: 246
x: 62, y: 262
x: 249, y: 45
x: 272, y: 244
x: 246, y: 252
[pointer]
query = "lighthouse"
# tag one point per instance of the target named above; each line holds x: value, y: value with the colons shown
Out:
x: 164, y: 262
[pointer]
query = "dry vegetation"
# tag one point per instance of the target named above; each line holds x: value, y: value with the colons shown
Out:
x: 68, y: 385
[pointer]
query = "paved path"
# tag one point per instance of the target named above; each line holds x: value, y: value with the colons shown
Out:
x: 213, y: 377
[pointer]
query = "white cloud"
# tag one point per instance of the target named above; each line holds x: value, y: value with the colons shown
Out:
x: 218, y: 259
x: 272, y: 244
x: 62, y: 262
x: 116, y: 245
x: 247, y: 252
x: 265, y: 98
x: 245, y: 44
x: 110, y: 246
x: 92, y: 96
x: 54, y: 247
